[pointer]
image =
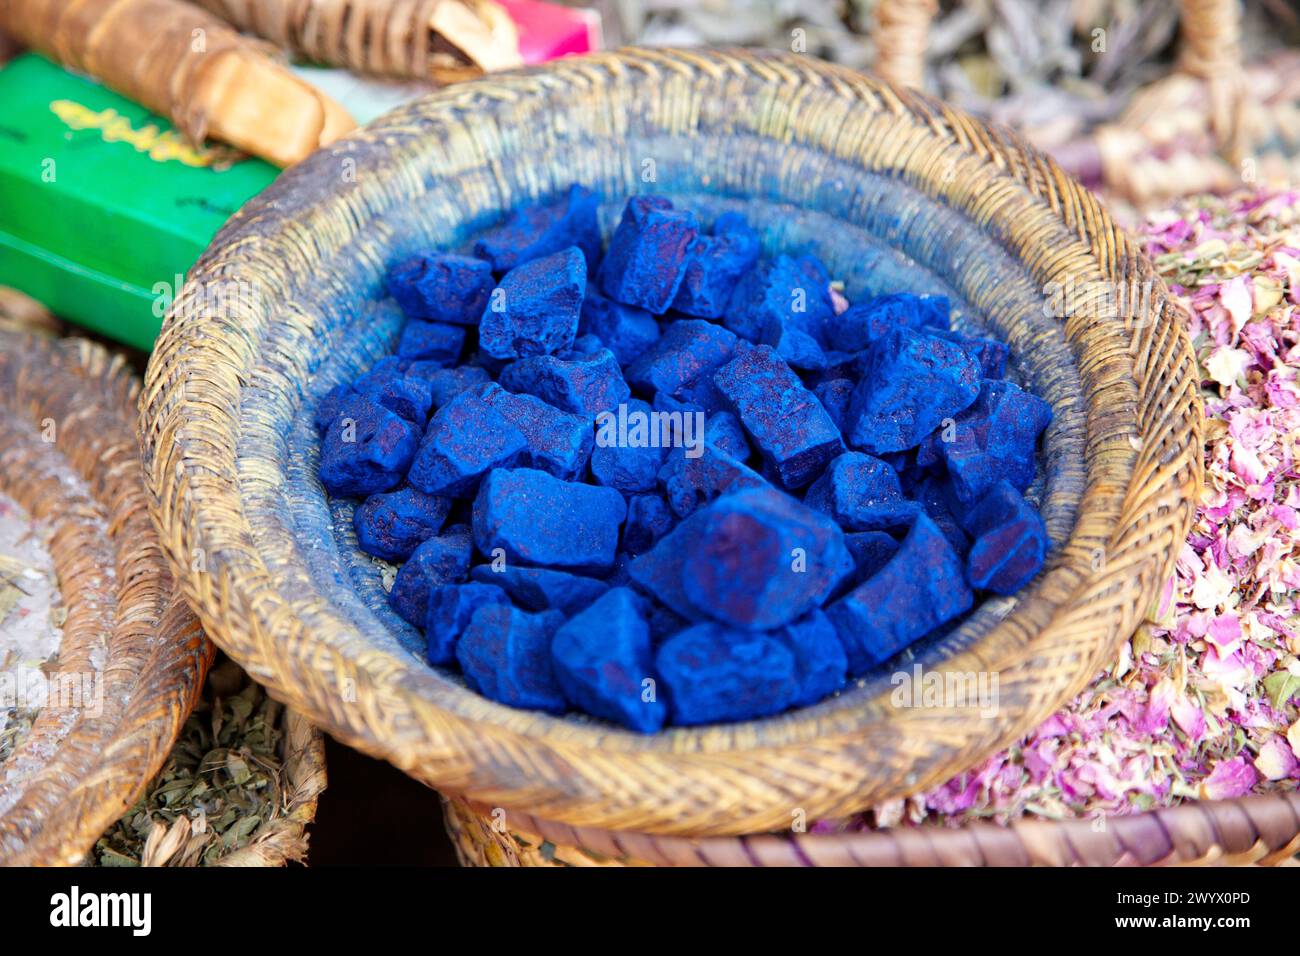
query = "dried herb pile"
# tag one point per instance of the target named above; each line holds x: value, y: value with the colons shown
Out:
x: 219, y: 791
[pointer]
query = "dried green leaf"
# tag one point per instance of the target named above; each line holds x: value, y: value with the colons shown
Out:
x: 1281, y: 686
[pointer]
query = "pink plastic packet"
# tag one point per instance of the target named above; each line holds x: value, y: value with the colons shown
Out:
x: 547, y: 30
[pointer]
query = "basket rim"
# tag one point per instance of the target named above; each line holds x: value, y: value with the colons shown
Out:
x: 1261, y: 829
x: 155, y: 655
x: 1142, y: 480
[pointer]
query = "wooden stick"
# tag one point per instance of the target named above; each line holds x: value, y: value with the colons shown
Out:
x: 186, y: 64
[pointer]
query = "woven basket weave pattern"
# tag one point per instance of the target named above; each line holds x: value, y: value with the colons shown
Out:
x: 1260, y: 830
x: 222, y: 391
x: 123, y: 608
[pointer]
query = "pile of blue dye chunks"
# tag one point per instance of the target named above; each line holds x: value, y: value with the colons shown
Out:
x: 673, y: 481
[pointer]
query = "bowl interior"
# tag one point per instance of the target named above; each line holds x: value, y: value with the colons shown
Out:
x: 875, y: 232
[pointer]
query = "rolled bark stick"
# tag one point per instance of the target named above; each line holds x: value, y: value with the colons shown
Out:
x: 902, y: 32
x: 186, y: 64
x: 423, y: 39
x: 1212, y: 52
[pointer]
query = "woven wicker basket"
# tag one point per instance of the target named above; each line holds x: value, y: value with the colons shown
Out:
x: 1262, y: 831
x: 83, y: 768
x: 893, y: 190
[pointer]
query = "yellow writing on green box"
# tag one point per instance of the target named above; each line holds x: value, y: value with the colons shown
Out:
x: 161, y: 145
x: 102, y: 203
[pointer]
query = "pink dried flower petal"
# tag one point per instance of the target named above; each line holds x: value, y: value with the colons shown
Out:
x: 1224, y: 633
x: 839, y: 304
x: 1156, y: 716
x: 1238, y: 301
x: 1231, y: 778
x: 1190, y: 718
x: 1275, y: 760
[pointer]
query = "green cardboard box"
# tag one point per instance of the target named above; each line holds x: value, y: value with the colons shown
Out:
x: 103, y: 206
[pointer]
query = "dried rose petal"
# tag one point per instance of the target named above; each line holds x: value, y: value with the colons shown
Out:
x: 1275, y: 760
x: 1231, y: 778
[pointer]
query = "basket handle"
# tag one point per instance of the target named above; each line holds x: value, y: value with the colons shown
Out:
x: 902, y: 31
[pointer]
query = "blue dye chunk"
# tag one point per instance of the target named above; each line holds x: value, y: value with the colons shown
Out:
x: 624, y: 329
x: 688, y: 349
x: 659, y: 571
x: 542, y: 589
x: 799, y: 349
x: 834, y: 394
x: 647, y: 255
x: 714, y: 264
x: 431, y: 342
x: 760, y: 559
x: 446, y: 383
x: 1010, y: 541
x: 839, y: 365
x: 535, y: 309
x: 465, y: 440
x: 861, y: 324
x: 557, y: 442
x: 451, y: 608
x: 392, y: 525
x: 821, y: 664
x: 625, y: 458
x: 989, y: 353
x: 541, y: 229
x: 505, y: 654
x: 790, y: 427
x: 540, y: 520
x: 406, y: 395
x: 648, y: 519
x: 724, y: 432
x: 583, y: 345
x: 712, y: 673
x: 584, y: 384
x: 910, y: 383
x: 922, y: 587
x: 440, y: 560
x: 871, y: 551
x: 697, y: 395
x: 934, y: 492
x: 441, y: 288
x: 365, y: 449
x: 327, y: 409
x: 996, y: 438
x: 689, y: 482
x: 862, y: 494
x: 604, y: 663
x: 781, y: 294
